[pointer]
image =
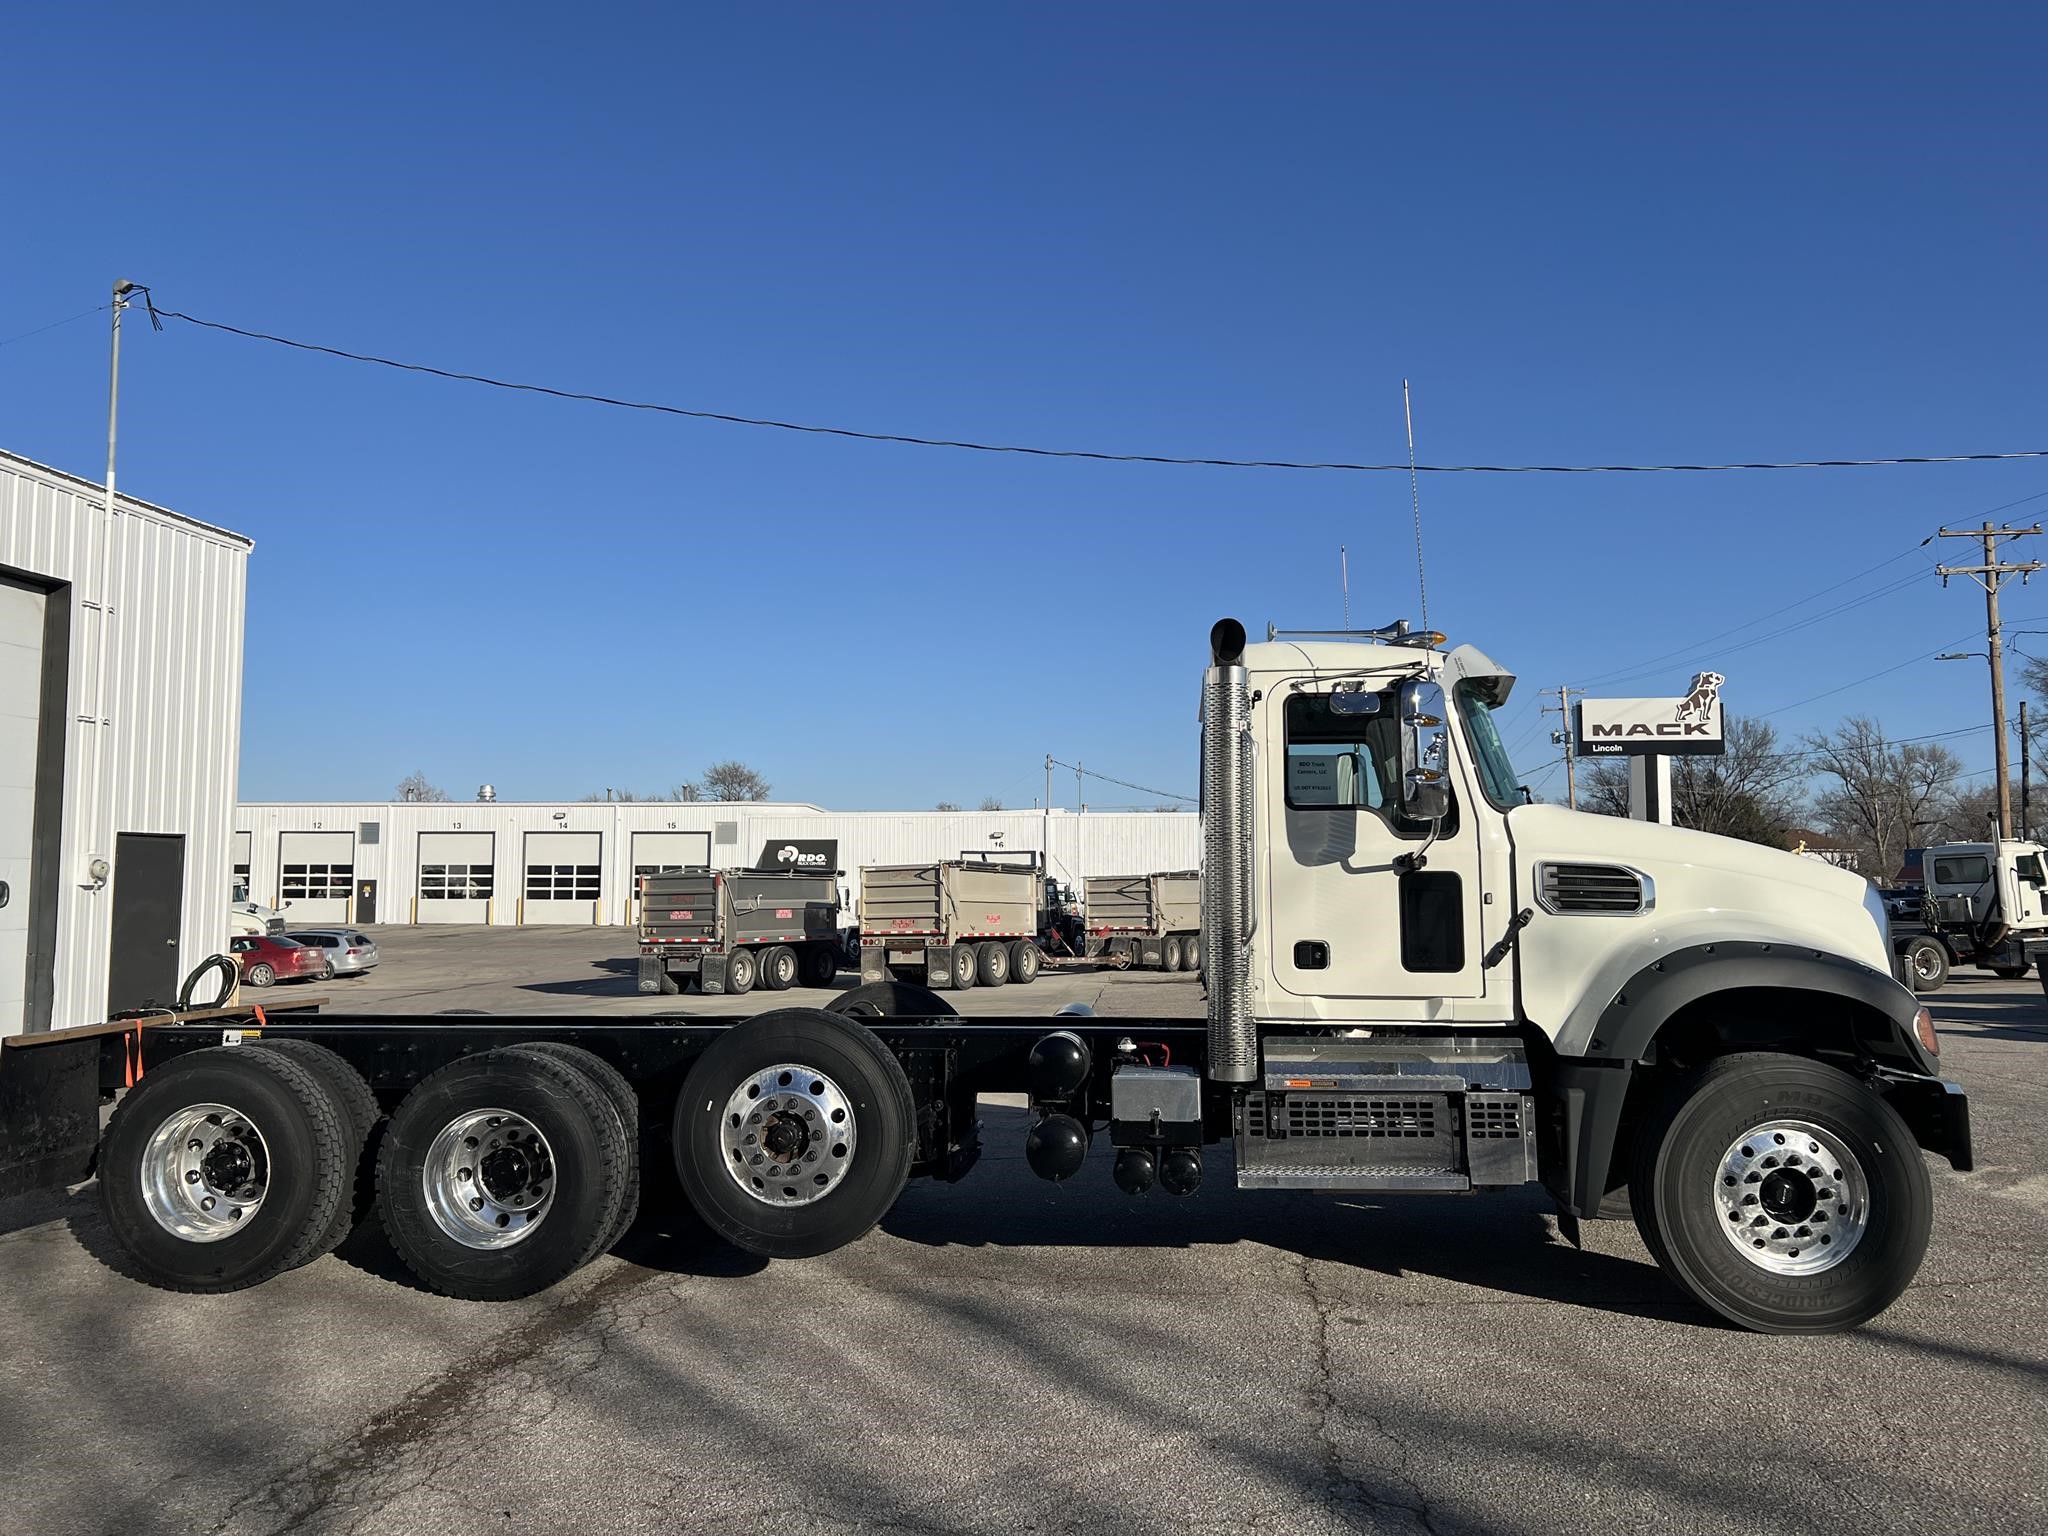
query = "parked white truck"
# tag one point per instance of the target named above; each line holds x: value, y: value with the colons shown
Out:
x: 1986, y: 906
x: 1417, y: 982
x: 1154, y: 921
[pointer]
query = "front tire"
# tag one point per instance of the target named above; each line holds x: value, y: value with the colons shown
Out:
x: 1926, y: 965
x: 793, y: 1133
x: 1782, y: 1194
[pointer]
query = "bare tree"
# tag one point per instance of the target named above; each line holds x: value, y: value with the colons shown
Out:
x: 415, y: 786
x: 1886, y: 797
x: 1750, y: 791
x: 945, y: 805
x: 733, y: 780
x: 991, y: 803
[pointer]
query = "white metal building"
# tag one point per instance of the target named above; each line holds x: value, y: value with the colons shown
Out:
x: 508, y: 864
x: 120, y: 725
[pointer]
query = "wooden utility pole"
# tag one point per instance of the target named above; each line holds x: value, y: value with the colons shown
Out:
x: 1563, y: 738
x: 1989, y: 576
x: 2026, y: 776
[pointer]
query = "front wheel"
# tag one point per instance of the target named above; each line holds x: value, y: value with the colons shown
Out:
x: 1782, y: 1194
x: 1926, y: 965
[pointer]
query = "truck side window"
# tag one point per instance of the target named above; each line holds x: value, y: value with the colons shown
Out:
x: 1349, y: 761
x: 1971, y: 869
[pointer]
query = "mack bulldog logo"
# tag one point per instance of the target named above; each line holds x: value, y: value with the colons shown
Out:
x: 1697, y: 707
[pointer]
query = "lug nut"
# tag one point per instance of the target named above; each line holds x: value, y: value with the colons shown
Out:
x: 465, y: 1174
x: 192, y: 1177
x: 476, y: 1205
x: 195, y: 1145
x: 206, y: 1204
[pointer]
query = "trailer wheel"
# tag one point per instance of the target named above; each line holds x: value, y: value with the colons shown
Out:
x: 778, y: 968
x: 740, y: 969
x: 1782, y: 1194
x: 1926, y: 965
x: 793, y: 1133
x: 625, y: 1103
x: 260, y: 975
x: 890, y: 1000
x: 360, y: 1114
x: 1169, y: 954
x: 224, y: 1168
x: 966, y: 966
x: 1191, y: 953
x: 820, y: 963
x: 500, y: 1174
x: 1025, y: 962
x: 992, y: 964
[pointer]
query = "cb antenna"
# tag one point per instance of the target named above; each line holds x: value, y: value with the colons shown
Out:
x: 1344, y: 575
x: 1415, y: 499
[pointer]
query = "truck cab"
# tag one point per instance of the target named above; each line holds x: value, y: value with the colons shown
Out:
x: 1987, y: 903
x: 246, y: 917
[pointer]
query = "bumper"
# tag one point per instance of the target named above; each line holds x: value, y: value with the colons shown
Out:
x: 1937, y: 1111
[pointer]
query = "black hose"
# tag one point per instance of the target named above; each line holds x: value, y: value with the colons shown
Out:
x: 230, y: 973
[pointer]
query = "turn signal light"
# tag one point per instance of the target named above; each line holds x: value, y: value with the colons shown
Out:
x: 1923, y: 1026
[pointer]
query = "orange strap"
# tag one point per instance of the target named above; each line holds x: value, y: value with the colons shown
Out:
x: 261, y: 1022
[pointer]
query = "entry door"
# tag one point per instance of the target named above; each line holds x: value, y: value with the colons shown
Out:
x: 1343, y: 923
x: 564, y: 877
x: 366, y: 901
x: 149, y: 892
x: 21, y: 687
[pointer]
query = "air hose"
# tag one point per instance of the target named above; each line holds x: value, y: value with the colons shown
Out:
x: 230, y: 978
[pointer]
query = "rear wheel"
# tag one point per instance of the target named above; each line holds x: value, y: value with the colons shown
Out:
x: 1926, y: 965
x: 625, y: 1103
x: 992, y: 964
x: 820, y: 965
x: 891, y: 999
x: 1782, y: 1194
x: 966, y: 965
x: 224, y: 1168
x: 500, y: 1174
x: 778, y: 968
x: 1025, y: 962
x: 260, y: 975
x: 740, y: 970
x: 358, y: 1106
x: 1169, y: 955
x: 1191, y: 952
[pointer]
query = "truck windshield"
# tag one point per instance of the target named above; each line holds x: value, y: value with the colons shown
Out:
x: 1496, y: 771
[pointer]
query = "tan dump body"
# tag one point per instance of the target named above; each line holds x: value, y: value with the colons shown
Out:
x: 952, y: 902
x: 1142, y: 906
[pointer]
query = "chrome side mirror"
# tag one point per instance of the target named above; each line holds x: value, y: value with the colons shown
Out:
x: 1425, y: 766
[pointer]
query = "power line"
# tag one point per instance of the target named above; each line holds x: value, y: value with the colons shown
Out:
x: 1143, y: 789
x: 910, y: 440
x: 68, y: 320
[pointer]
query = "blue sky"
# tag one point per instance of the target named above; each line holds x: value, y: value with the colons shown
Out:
x: 1587, y: 235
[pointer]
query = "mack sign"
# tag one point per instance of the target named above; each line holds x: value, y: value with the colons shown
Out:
x: 1687, y: 727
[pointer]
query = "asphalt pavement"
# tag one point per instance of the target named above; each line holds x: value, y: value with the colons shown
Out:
x: 1009, y: 1355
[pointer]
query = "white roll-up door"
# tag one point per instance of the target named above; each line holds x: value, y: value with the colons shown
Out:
x: 563, y: 878
x: 21, y: 707
x: 457, y: 878
x: 244, y: 851
x: 316, y: 876
x: 654, y: 852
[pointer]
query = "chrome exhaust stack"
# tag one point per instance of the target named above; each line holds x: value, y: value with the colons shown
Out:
x: 1227, y: 922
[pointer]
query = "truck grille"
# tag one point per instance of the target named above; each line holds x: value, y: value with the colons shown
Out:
x: 1493, y: 1117
x: 1591, y: 888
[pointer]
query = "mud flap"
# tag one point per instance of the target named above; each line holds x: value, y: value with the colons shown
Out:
x: 49, y: 1114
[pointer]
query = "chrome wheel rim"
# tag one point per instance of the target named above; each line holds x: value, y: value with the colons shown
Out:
x: 489, y: 1179
x: 1792, y: 1197
x: 789, y: 1135
x: 1923, y: 964
x: 205, y: 1172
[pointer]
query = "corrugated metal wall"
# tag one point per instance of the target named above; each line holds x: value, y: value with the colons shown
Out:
x: 1098, y: 843
x: 174, y: 703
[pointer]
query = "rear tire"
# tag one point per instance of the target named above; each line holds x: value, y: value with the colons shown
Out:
x: 547, y: 1153
x: 890, y: 1000
x: 820, y: 965
x: 966, y: 966
x: 832, y: 1085
x: 740, y: 971
x: 1926, y: 965
x: 260, y: 975
x: 1025, y: 962
x: 625, y: 1103
x: 1840, y: 1194
x: 259, y: 1194
x: 1169, y: 955
x: 358, y: 1106
x: 1191, y: 952
x: 992, y: 964
x: 778, y: 968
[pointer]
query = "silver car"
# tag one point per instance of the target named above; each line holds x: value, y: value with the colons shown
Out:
x: 349, y: 950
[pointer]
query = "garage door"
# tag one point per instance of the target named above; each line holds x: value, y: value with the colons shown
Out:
x: 316, y: 875
x: 654, y: 852
x: 21, y: 686
x: 564, y: 878
x: 456, y: 877
x: 245, y: 843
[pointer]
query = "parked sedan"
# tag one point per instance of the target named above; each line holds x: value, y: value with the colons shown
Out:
x: 270, y: 957
x: 350, y: 952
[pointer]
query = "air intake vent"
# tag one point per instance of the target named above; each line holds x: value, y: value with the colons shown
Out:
x: 1592, y: 888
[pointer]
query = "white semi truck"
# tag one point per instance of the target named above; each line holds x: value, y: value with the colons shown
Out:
x: 1986, y: 906
x: 1417, y: 982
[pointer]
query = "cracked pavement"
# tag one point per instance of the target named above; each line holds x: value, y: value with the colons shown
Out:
x: 1010, y: 1355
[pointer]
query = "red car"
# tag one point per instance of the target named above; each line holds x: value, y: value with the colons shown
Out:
x: 271, y: 958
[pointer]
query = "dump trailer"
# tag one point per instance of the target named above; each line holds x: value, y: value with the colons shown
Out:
x: 956, y: 924
x: 730, y: 929
x: 1153, y: 921
x: 1417, y: 983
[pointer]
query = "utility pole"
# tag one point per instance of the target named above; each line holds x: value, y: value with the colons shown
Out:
x: 1563, y: 738
x: 1990, y: 575
x: 2026, y: 774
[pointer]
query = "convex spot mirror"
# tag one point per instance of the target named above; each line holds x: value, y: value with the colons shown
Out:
x: 1425, y: 766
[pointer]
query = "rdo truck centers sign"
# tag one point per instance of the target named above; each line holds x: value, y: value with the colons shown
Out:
x: 1687, y: 727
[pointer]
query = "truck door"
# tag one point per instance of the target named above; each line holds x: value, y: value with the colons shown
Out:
x: 1342, y: 920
